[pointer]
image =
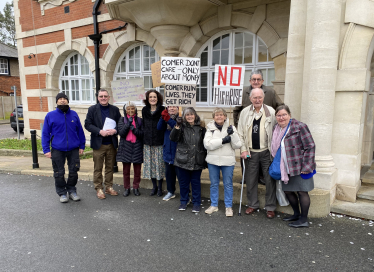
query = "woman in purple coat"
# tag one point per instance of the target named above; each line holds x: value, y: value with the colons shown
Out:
x: 297, y: 163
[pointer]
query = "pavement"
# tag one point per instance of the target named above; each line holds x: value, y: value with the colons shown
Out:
x: 38, y: 233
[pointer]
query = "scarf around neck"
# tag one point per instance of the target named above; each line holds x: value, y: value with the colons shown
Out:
x: 275, y: 145
x: 131, y: 136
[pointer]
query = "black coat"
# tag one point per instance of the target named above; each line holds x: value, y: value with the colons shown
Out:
x: 94, y: 123
x: 152, y: 136
x: 191, y: 152
x: 128, y: 151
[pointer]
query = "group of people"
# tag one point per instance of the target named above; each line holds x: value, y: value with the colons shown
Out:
x: 175, y: 147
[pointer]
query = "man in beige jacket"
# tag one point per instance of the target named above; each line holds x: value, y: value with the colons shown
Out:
x: 255, y: 127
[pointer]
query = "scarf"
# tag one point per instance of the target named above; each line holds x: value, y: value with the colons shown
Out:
x: 172, y: 116
x: 275, y: 144
x: 131, y: 136
x: 218, y: 126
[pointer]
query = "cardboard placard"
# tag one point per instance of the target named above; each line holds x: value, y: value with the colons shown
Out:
x: 156, y: 74
x: 131, y: 89
x: 178, y: 70
x: 228, y: 85
x: 180, y: 95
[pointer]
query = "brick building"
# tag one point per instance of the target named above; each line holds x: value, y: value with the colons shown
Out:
x: 316, y: 54
x: 9, y: 70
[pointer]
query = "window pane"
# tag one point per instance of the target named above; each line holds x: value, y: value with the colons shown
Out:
x: 146, y: 64
x: 204, y: 59
x: 216, y: 57
x: 248, y: 39
x: 248, y: 54
x: 262, y: 52
x: 269, y: 57
x: 239, y: 56
x: 123, y: 65
x: 152, y: 52
x: 238, y: 40
x: 137, y: 52
x: 131, y: 65
x: 131, y: 54
x: 217, y: 44
x: 225, y: 57
x: 147, y: 83
x: 153, y: 60
x: 271, y: 77
x: 146, y: 51
x: 137, y: 65
x: 225, y: 41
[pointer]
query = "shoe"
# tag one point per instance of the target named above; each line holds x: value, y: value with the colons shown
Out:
x: 270, y: 214
x: 211, y: 210
x: 126, y: 192
x: 160, y: 193
x: 299, y: 224
x: 73, y: 196
x: 64, y: 199
x: 249, y: 210
x: 182, y: 207
x: 100, y: 194
x: 229, y: 212
x: 111, y: 191
x: 136, y: 192
x: 196, y: 208
x: 168, y: 196
x: 292, y: 218
x: 154, y: 191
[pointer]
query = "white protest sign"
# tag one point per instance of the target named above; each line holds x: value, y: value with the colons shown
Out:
x: 178, y: 70
x: 228, y: 85
x: 131, y: 89
x: 180, y: 95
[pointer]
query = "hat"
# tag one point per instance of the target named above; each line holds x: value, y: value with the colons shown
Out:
x: 61, y: 95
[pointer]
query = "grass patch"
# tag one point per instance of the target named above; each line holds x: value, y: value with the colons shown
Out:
x: 24, y: 144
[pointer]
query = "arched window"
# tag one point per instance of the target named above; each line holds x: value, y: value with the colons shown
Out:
x: 76, y: 80
x: 136, y: 62
x: 232, y: 47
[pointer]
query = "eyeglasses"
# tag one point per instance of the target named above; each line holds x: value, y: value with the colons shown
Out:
x: 103, y: 96
x: 281, y: 116
x: 256, y: 79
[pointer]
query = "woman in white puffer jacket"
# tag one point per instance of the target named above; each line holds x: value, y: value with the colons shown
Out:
x: 221, y: 140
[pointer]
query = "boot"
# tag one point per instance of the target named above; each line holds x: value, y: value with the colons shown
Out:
x: 159, y: 192
x: 154, y: 189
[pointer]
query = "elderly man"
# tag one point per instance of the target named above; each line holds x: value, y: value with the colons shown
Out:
x: 63, y: 130
x: 255, y: 131
x: 104, y: 142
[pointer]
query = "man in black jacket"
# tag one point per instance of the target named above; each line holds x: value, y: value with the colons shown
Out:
x: 104, y: 142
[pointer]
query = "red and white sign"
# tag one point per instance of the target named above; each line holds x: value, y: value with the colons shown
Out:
x: 228, y: 85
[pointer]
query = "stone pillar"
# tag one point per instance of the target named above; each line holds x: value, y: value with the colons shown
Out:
x: 319, y: 97
x: 295, y: 57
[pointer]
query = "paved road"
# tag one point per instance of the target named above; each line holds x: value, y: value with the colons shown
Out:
x: 38, y: 233
x: 7, y: 132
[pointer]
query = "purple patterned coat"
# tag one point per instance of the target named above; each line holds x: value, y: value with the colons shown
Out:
x: 300, y: 148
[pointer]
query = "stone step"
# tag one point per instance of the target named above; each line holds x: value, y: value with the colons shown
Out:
x: 366, y: 191
x: 368, y: 177
x: 362, y: 208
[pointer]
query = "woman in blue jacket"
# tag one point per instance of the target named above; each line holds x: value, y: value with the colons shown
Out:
x: 166, y: 124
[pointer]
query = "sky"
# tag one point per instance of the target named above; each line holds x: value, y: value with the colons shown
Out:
x: 2, y: 4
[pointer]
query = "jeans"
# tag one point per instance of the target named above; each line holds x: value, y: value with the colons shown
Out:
x: 187, y: 177
x: 171, y: 177
x: 58, y: 163
x: 227, y: 173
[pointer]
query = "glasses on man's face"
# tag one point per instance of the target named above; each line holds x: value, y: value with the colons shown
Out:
x: 103, y: 96
x: 258, y: 98
x: 281, y: 115
x: 256, y: 79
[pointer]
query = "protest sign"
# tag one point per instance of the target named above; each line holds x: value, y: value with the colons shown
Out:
x: 156, y: 74
x: 180, y: 95
x: 131, y: 89
x: 178, y: 70
x: 228, y: 85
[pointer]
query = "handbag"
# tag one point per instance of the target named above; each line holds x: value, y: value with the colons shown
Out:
x: 274, y: 169
x: 281, y: 196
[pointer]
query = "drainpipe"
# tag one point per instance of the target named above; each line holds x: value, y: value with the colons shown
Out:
x: 96, y: 37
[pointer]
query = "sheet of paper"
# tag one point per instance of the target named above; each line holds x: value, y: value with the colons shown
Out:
x: 109, y: 124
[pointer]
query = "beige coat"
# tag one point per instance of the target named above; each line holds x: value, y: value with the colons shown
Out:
x: 218, y: 153
x: 246, y: 122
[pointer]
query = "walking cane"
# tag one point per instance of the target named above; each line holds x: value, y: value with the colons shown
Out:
x: 241, y: 193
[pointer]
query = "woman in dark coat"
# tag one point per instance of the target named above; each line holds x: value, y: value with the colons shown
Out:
x: 190, y: 156
x: 130, y: 149
x: 154, y: 167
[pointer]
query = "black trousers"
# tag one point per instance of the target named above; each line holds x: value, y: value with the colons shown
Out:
x: 58, y: 164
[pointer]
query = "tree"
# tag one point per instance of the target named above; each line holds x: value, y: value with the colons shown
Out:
x: 7, y: 26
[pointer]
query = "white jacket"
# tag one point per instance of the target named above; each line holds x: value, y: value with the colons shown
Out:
x: 218, y: 153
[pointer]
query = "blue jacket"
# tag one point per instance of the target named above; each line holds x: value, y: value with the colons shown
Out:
x: 64, y: 131
x: 170, y: 147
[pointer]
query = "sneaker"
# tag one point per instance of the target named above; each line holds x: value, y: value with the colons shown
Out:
x: 196, y: 209
x: 73, y: 196
x: 182, y: 207
x: 211, y: 210
x: 229, y: 212
x: 168, y: 196
x: 64, y: 199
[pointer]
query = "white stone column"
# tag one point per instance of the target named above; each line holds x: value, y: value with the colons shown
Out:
x: 295, y: 57
x: 319, y: 97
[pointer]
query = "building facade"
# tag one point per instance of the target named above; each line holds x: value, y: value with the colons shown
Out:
x: 9, y: 70
x: 316, y: 54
